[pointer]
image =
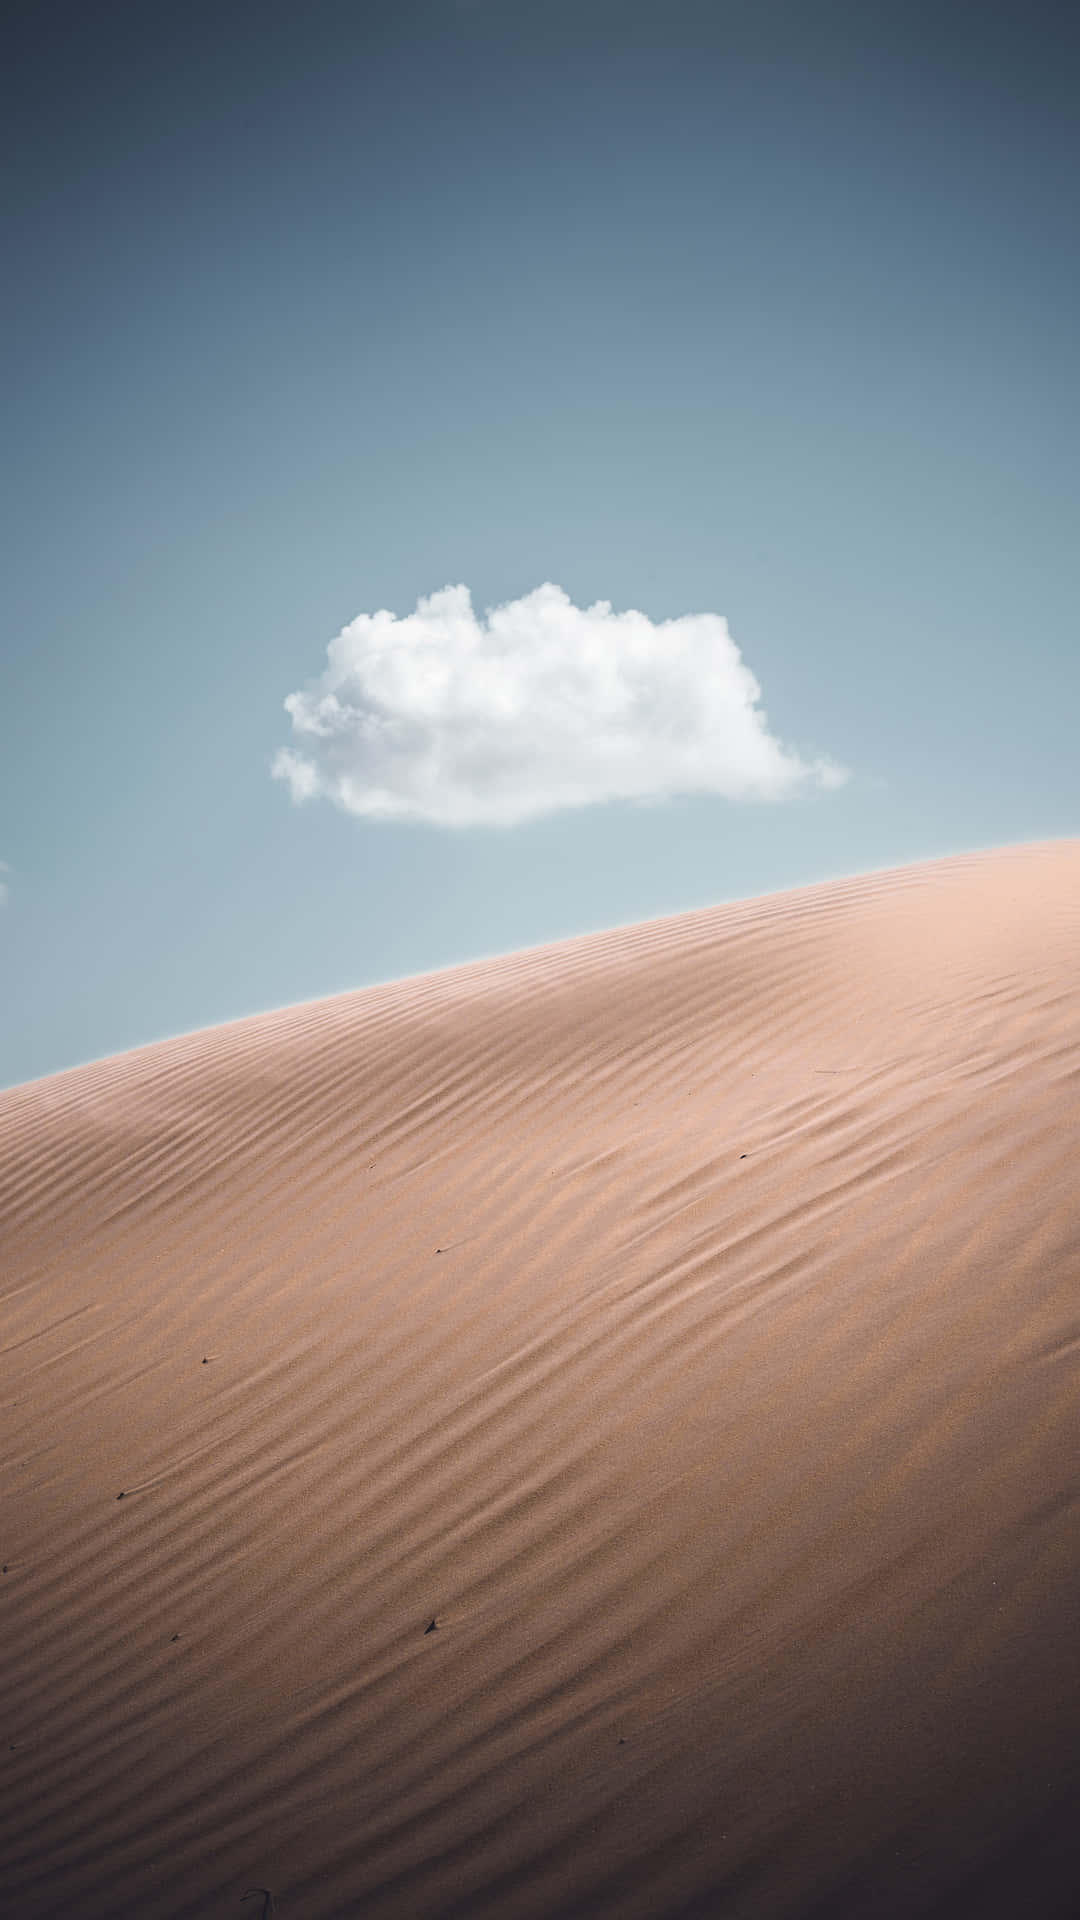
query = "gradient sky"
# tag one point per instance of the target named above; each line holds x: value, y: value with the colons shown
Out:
x: 767, y: 310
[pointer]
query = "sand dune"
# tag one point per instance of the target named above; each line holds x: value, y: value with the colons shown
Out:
x: 685, y: 1320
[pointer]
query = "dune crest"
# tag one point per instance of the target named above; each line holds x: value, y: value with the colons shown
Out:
x: 593, y: 1432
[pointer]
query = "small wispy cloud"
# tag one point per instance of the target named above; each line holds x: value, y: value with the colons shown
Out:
x: 540, y: 706
x: 4, y: 868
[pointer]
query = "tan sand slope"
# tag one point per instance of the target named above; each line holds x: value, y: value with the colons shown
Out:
x: 686, y: 1319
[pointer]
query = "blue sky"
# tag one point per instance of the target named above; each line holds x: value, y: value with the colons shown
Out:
x: 763, y: 311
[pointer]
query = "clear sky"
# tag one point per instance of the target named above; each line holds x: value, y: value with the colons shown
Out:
x: 765, y: 311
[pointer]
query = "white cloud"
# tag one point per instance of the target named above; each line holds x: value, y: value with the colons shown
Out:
x: 540, y: 706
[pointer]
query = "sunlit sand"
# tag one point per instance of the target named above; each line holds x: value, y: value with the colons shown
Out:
x: 589, y: 1433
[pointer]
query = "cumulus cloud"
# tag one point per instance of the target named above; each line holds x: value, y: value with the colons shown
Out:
x: 539, y: 706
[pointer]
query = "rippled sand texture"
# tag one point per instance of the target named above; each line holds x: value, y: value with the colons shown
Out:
x: 686, y: 1320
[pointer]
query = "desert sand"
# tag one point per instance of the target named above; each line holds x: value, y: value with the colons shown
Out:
x: 593, y: 1432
